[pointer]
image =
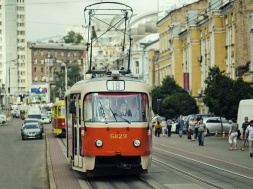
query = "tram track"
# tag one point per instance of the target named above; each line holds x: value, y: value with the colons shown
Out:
x: 187, y: 174
x: 112, y: 182
x: 118, y: 182
x: 203, y: 169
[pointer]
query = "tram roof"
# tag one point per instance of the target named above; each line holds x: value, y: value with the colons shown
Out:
x: 59, y: 103
x: 76, y: 86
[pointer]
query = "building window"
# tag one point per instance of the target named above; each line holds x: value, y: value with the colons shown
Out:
x: 42, y: 69
x: 137, y: 67
x: 34, y: 69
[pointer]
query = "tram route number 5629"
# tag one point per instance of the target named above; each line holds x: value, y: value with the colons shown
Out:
x: 115, y: 85
x: 118, y: 136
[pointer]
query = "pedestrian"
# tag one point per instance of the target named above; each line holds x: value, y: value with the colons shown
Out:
x: 164, y: 126
x: 249, y: 132
x: 158, y: 127
x: 192, y: 125
x: 196, y: 128
x: 180, y: 122
x: 244, y: 127
x: 169, y: 125
x: 232, y: 134
x: 201, y: 131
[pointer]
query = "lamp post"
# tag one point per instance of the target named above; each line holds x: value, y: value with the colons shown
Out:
x: 9, y: 83
x: 66, y: 75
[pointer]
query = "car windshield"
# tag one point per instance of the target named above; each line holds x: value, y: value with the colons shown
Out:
x: 31, y: 127
x: 30, y: 121
x: 116, y: 107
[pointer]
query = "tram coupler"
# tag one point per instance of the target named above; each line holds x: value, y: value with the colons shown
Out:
x: 124, y: 166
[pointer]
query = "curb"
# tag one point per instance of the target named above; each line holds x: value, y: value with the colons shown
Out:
x: 52, y: 184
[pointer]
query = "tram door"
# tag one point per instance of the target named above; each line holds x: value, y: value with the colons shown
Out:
x: 77, y: 139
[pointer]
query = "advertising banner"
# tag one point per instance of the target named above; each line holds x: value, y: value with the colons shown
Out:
x: 186, y: 81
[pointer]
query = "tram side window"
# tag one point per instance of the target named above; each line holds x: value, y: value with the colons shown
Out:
x: 88, y: 108
x: 144, y: 107
x: 61, y: 111
x: 79, y: 107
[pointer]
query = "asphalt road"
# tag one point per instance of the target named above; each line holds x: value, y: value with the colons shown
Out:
x: 23, y: 163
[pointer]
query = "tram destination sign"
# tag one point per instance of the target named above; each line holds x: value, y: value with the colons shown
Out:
x: 115, y: 85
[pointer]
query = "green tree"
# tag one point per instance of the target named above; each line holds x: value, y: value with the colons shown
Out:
x: 73, y: 37
x: 222, y: 94
x: 73, y: 76
x: 175, y: 100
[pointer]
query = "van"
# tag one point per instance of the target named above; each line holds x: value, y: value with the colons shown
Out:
x: 245, y: 109
x: 34, y: 112
x: 3, y: 119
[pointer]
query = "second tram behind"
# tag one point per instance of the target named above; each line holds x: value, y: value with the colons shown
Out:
x: 58, y: 118
x: 108, y: 128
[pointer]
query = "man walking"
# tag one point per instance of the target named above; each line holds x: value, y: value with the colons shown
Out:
x: 249, y: 131
x: 244, y: 137
x: 169, y: 125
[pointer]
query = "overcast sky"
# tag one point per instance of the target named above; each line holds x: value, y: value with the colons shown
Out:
x: 48, y: 18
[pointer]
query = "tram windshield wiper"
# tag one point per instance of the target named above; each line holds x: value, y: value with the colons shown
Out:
x: 103, y: 112
x: 115, y: 114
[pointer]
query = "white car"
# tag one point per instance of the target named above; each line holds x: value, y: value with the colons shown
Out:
x: 46, y: 119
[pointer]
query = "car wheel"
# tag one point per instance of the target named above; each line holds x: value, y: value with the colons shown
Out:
x: 41, y: 137
x: 23, y: 138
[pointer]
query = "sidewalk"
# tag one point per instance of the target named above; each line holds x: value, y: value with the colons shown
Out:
x: 61, y: 175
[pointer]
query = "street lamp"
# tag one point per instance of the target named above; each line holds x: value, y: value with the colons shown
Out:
x: 66, y: 75
x: 9, y: 88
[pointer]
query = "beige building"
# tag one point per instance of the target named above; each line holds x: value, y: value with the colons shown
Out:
x: 201, y: 35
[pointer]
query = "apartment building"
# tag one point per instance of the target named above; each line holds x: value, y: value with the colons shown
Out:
x: 13, y: 66
x: 45, y: 59
x: 200, y: 35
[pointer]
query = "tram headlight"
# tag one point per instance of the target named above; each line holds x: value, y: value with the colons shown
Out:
x: 99, y: 143
x: 137, y: 143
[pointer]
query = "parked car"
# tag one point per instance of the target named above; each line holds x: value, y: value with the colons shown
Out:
x: 33, y: 120
x: 46, y: 119
x: 213, y: 124
x: 3, y: 119
x: 31, y: 130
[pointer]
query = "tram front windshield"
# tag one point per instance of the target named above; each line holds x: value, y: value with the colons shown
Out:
x: 116, y: 107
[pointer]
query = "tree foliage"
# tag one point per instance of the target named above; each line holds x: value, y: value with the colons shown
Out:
x: 73, y: 37
x: 222, y: 94
x: 74, y: 75
x: 175, y: 100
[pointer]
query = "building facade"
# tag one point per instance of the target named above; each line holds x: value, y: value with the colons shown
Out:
x: 45, y: 59
x: 201, y: 35
x: 13, y: 64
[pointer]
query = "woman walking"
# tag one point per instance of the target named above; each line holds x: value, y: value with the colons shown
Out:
x: 232, y: 134
x: 201, y: 131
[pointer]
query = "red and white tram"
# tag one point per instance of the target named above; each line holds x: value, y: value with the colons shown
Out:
x: 100, y: 138
x: 108, y: 116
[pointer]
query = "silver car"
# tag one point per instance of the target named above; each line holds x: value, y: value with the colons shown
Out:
x: 31, y: 130
x: 34, y: 120
x: 213, y: 124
